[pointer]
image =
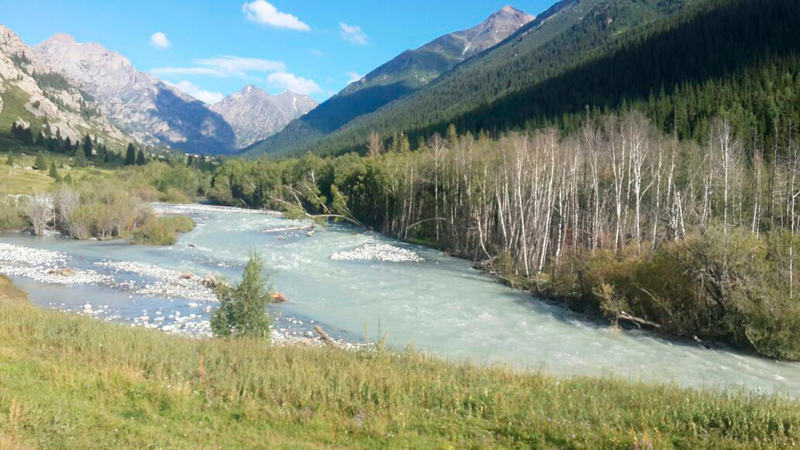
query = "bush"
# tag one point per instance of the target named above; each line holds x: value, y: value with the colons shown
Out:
x: 162, y: 230
x: 732, y: 286
x: 243, y: 309
x: 11, y: 216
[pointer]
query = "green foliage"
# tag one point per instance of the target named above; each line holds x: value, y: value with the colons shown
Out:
x: 140, y: 158
x: 10, y: 159
x: 732, y: 286
x: 117, y: 386
x: 87, y: 147
x: 11, y: 216
x: 41, y: 163
x: 679, y: 62
x: 53, y: 171
x: 130, y: 155
x: 243, y: 308
x: 162, y: 230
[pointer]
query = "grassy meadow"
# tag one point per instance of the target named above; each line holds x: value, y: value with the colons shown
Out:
x: 26, y: 182
x: 70, y: 381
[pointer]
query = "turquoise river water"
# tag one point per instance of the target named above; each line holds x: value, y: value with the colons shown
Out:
x: 440, y: 305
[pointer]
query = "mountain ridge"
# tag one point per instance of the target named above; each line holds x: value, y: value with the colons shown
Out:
x: 33, y: 95
x: 152, y: 111
x: 400, y: 76
x: 255, y: 115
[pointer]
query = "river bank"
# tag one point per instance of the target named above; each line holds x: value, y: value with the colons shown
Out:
x: 439, y: 304
x: 71, y: 382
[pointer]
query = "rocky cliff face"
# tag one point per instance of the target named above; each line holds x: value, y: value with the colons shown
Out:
x: 33, y: 94
x: 141, y: 104
x: 255, y: 115
x: 485, y: 35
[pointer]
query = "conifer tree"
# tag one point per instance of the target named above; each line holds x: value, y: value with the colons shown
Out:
x: 10, y: 159
x: 53, y: 171
x: 140, y: 158
x: 130, y: 155
x: 80, y: 159
x: 41, y: 163
x: 87, y: 146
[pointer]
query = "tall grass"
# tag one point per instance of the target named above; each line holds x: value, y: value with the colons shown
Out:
x: 69, y: 381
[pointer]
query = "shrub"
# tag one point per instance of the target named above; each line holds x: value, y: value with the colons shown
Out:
x: 732, y: 286
x: 11, y: 216
x: 41, y: 163
x: 162, y: 230
x: 243, y: 308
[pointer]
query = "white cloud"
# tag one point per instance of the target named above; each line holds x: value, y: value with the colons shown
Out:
x: 200, y: 94
x: 353, y: 34
x: 298, y: 85
x: 353, y: 77
x: 225, y: 67
x: 159, y: 40
x: 262, y: 12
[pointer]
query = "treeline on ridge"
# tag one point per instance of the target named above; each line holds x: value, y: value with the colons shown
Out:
x: 734, y: 58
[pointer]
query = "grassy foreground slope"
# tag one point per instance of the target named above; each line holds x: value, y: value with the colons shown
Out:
x: 69, y: 381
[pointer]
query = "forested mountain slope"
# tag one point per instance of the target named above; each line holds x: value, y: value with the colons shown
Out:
x: 694, y: 58
x: 402, y: 75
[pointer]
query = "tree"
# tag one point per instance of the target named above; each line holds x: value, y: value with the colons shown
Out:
x: 39, y: 210
x: 375, y: 146
x: 10, y: 159
x: 27, y: 136
x: 87, y: 146
x: 41, y: 163
x: 140, y: 158
x: 80, y: 159
x: 53, y: 171
x: 243, y: 308
x: 130, y: 155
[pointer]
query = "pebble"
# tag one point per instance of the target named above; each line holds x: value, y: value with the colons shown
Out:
x: 378, y: 252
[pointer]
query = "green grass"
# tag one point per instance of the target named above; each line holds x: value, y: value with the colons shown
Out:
x: 20, y: 181
x: 14, y: 101
x: 70, y: 381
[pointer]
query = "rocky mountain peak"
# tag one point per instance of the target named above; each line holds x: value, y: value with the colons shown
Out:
x: 255, y: 115
x: 139, y: 103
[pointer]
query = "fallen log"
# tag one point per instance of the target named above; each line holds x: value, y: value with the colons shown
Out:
x: 324, y: 336
x: 639, y: 322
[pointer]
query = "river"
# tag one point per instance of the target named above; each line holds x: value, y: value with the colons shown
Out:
x: 440, y: 304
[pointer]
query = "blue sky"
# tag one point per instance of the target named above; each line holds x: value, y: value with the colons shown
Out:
x: 212, y: 48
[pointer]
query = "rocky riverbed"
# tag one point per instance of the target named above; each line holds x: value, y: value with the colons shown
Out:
x: 378, y: 252
x: 183, y: 291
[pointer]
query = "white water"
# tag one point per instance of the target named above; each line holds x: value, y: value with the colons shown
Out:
x: 441, y: 304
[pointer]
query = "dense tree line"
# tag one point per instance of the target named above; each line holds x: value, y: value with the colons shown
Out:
x: 90, y: 148
x: 534, y: 208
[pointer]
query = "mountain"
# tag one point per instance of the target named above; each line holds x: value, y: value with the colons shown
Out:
x: 659, y: 56
x: 150, y: 110
x: 401, y: 76
x: 255, y: 115
x: 34, y: 95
